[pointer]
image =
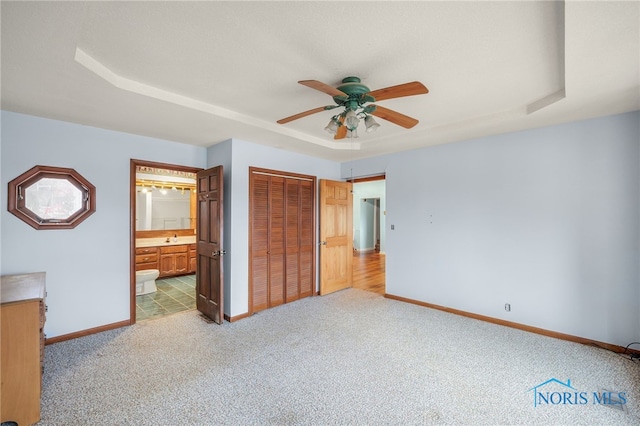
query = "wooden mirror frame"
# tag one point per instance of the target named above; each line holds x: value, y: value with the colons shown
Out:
x: 17, y: 197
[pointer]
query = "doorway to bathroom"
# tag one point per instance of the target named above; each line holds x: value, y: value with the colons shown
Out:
x: 163, y: 233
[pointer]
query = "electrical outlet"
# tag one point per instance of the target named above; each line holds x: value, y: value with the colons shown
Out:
x: 507, y: 307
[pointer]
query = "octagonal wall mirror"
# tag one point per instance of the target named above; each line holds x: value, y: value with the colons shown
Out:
x: 51, y: 197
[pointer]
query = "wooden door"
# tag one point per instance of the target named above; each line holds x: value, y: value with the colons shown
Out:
x: 336, y: 235
x: 281, y: 238
x: 299, y: 241
x: 307, y: 249
x: 267, y: 216
x: 258, y: 242
x: 292, y: 240
x: 209, y: 250
x: 276, y: 241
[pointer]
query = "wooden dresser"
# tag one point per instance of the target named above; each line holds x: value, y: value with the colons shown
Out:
x: 22, y: 312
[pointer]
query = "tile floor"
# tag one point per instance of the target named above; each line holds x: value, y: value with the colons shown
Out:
x: 175, y: 294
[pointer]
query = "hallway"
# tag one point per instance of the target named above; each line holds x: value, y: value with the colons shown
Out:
x: 369, y: 271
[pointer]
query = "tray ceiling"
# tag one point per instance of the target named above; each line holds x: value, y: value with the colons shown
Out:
x: 204, y: 72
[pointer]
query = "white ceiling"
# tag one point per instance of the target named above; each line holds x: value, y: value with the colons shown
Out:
x: 203, y: 72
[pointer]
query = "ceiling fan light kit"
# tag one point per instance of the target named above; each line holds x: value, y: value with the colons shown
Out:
x: 352, y: 95
x: 333, y: 125
x: 370, y: 124
x: 351, y: 120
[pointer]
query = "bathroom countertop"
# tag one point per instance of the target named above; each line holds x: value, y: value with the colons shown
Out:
x: 152, y: 242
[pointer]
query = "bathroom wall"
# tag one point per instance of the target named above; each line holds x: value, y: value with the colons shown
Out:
x: 547, y: 220
x: 237, y: 156
x: 87, y: 267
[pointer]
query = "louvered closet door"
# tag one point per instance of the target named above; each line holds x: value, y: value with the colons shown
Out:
x: 300, y: 239
x: 307, y: 238
x: 259, y: 242
x: 276, y: 241
x: 282, y: 265
x: 267, y: 241
x: 293, y: 239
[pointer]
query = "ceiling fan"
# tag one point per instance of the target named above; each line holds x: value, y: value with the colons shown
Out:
x: 353, y: 95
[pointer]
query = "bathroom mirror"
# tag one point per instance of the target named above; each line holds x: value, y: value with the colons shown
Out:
x: 165, y: 199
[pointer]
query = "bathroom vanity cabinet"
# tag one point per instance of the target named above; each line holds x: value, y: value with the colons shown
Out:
x: 192, y: 258
x: 146, y: 258
x: 174, y: 260
x: 170, y: 260
x: 22, y: 314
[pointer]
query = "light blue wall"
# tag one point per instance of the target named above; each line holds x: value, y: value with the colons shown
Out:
x: 242, y: 156
x: 92, y: 260
x: 87, y: 267
x: 547, y: 220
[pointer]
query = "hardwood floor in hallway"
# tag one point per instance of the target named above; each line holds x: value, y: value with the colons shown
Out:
x: 369, y: 271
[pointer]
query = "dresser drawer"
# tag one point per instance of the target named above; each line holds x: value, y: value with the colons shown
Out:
x: 42, y: 338
x: 43, y: 310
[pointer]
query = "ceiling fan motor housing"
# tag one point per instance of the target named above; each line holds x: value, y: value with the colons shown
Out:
x: 355, y: 93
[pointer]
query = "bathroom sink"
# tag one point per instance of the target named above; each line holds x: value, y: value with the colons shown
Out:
x: 150, y: 242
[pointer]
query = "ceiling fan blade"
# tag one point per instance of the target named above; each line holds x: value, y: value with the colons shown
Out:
x: 342, y: 130
x: 325, y: 88
x: 394, y: 117
x: 399, y: 91
x: 303, y: 114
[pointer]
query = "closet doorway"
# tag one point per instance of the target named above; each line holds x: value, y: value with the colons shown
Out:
x: 282, y: 250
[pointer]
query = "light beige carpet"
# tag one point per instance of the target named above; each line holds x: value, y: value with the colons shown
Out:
x: 348, y: 358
